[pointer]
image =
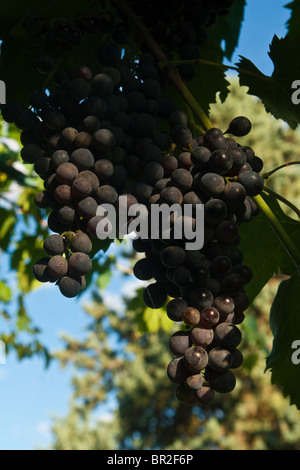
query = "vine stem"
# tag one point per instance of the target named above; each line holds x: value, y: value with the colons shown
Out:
x: 284, y: 165
x: 171, y: 72
x: 283, y: 199
x: 279, y: 230
x: 214, y: 64
x: 53, y: 72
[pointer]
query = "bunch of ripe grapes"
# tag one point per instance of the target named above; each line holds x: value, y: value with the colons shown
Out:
x: 96, y: 137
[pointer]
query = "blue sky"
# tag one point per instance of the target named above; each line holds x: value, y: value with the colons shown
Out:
x: 29, y: 394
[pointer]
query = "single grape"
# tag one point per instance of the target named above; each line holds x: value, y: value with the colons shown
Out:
x: 220, y: 359
x: 54, y: 245
x: 240, y: 126
x: 155, y: 295
x: 70, y: 285
x: 201, y: 336
x: 252, y: 182
x: 195, y: 382
x: 176, y: 370
x: 201, y: 298
x: 82, y: 243
x: 195, y: 358
x: 228, y: 336
x: 143, y: 269
x: 175, y: 309
x: 180, y: 342
x: 79, y: 264
x: 237, y: 359
x: 191, y: 316
x: 205, y: 395
x: 41, y: 272
x: 209, y: 317
x: 222, y: 382
x: 58, y: 266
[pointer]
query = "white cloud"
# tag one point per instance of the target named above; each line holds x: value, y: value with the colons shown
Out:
x: 130, y: 287
x: 113, y: 301
x: 44, y: 428
x: 12, y: 144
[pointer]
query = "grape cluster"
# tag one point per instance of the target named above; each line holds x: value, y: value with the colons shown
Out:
x: 67, y: 262
x: 55, y: 35
x: 94, y: 138
x: 206, y: 286
x: 89, y: 140
x: 181, y: 27
x: 64, y: 34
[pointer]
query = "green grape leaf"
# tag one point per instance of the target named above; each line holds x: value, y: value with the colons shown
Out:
x: 136, y: 305
x: 283, y: 361
x: 6, y: 228
x: 157, y: 319
x: 275, y: 91
x: 263, y: 251
x: 293, y: 24
x: 5, y: 292
x: 23, y: 321
x: 228, y: 28
x: 105, y: 272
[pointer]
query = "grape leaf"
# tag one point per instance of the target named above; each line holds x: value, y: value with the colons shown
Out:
x: 228, y: 28
x: 293, y: 24
x: 8, y: 222
x: 5, y: 292
x: 263, y: 251
x: 275, y: 91
x: 157, y: 320
x: 285, y: 325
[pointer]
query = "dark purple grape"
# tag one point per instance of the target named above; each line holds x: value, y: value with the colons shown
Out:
x: 58, y: 266
x: 201, y: 336
x: 54, y: 245
x: 175, y: 309
x: 155, y: 295
x: 240, y: 126
x: 228, y: 336
x: 70, y: 285
x: 80, y: 264
x: 195, y: 358
x: 220, y: 359
x: 179, y: 343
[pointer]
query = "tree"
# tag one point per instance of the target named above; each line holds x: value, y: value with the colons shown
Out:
x: 112, y: 90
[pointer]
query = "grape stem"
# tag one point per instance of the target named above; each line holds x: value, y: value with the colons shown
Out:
x: 279, y: 230
x: 124, y: 269
x: 171, y: 72
x: 214, y: 64
x: 283, y: 199
x: 270, y: 173
x: 53, y: 72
